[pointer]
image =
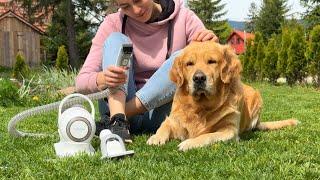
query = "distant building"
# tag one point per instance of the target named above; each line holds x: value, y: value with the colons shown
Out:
x: 237, y: 40
x: 42, y: 19
x: 18, y: 34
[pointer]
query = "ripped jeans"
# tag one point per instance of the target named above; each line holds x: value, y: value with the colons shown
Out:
x: 156, y: 95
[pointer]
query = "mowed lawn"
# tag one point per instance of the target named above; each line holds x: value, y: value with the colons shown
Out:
x: 292, y: 153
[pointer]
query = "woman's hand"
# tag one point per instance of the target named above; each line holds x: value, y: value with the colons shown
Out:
x: 205, y: 35
x: 112, y: 76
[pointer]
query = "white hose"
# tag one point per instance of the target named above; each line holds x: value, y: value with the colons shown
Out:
x: 46, y: 108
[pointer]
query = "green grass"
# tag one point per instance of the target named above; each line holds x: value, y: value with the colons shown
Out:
x: 292, y: 153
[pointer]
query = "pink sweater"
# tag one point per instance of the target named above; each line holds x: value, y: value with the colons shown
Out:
x: 149, y: 44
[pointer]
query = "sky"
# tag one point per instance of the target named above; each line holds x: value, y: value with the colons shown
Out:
x: 238, y: 9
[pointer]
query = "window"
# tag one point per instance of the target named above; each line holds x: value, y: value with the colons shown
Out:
x: 239, y: 41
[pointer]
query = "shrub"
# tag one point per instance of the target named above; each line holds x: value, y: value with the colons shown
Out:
x: 8, y: 93
x: 20, y: 69
x: 313, y: 54
x: 245, y: 61
x: 62, y: 60
x: 259, y: 60
x: 283, y: 53
x: 296, y: 67
x: 270, y: 61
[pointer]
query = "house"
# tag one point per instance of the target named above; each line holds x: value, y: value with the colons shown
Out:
x: 18, y: 35
x: 237, y: 40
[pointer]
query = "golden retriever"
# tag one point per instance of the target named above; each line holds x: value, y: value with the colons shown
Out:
x: 211, y: 104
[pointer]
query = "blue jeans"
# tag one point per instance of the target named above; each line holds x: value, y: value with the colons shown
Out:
x: 156, y: 95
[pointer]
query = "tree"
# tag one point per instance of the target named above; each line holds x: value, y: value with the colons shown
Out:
x: 246, y: 60
x: 283, y: 53
x: 259, y: 60
x: 313, y: 54
x: 270, y: 17
x: 62, y: 58
x: 259, y: 55
x: 211, y: 13
x: 70, y: 14
x: 312, y: 15
x: 270, y: 60
x: 252, y: 17
x: 252, y: 70
x: 296, y: 68
x: 20, y: 69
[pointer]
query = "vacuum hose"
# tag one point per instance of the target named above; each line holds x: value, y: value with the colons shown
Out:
x: 46, y: 108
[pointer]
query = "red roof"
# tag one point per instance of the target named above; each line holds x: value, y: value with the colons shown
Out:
x: 242, y: 35
x: 10, y: 13
x: 17, y: 9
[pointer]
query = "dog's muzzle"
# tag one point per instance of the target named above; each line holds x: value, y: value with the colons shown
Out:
x: 199, y: 81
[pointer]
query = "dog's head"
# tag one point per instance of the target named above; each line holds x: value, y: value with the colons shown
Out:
x: 203, y: 65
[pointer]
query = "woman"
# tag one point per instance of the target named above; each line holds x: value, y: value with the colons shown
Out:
x: 157, y: 30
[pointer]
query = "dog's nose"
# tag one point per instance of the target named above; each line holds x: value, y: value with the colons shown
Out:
x: 199, y: 77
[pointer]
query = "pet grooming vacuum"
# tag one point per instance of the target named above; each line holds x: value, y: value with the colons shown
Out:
x: 76, y: 128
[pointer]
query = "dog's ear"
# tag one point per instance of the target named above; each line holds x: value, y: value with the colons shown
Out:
x: 231, y: 66
x: 176, y: 74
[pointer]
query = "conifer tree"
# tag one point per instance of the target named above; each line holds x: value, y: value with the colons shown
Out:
x: 252, y: 17
x: 252, y: 70
x: 296, y: 67
x: 246, y: 60
x: 283, y: 53
x: 211, y: 13
x: 313, y: 54
x: 312, y: 14
x: 270, y: 60
x: 62, y: 60
x: 259, y: 55
x: 259, y: 60
x: 20, y: 69
x: 270, y: 17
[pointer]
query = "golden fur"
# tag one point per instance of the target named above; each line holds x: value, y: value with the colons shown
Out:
x: 211, y: 104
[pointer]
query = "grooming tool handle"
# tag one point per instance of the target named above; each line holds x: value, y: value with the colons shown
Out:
x: 74, y: 96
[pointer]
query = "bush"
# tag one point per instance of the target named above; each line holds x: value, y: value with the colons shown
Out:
x: 270, y: 60
x: 20, y: 69
x: 297, y: 63
x: 62, y: 60
x: 313, y: 54
x: 283, y: 53
x: 8, y: 94
x: 259, y: 59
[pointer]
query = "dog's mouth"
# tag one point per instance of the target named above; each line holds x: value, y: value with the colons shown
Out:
x: 199, y: 91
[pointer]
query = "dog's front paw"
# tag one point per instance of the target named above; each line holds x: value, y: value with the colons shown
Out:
x: 188, y: 144
x: 157, y: 140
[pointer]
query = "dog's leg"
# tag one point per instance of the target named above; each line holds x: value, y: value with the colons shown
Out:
x: 227, y: 133
x: 162, y: 135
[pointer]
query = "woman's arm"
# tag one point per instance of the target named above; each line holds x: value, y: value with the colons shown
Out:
x: 86, y: 81
x: 196, y: 30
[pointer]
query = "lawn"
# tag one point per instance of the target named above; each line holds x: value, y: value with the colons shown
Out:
x: 292, y: 153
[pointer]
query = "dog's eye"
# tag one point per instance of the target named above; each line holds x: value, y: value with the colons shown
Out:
x: 211, y: 61
x: 190, y: 63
